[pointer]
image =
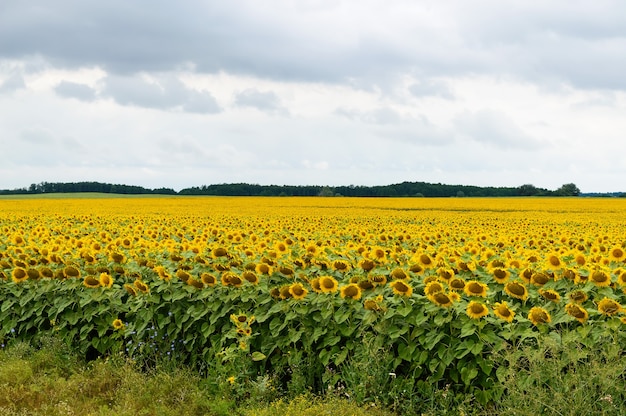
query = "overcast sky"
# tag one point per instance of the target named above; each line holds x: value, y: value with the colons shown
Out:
x: 313, y: 92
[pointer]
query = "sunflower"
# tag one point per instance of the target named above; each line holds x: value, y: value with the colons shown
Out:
x: 315, y: 285
x: 371, y: 305
x: 577, y: 312
x: 195, y: 283
x: 71, y: 271
x: 445, y: 273
x: 426, y: 261
x: 516, y: 290
x: 328, y: 284
x: 350, y: 291
x: 250, y: 277
x: 340, y: 265
x: 621, y: 277
x: 476, y: 310
x: 33, y: 274
x: 287, y: 271
x: 416, y: 268
x: 609, y: 307
x: 577, y: 296
x: 570, y: 274
x: 118, y: 325
x: 475, y: 288
x: 457, y: 284
x: 117, y: 257
x: 130, y: 289
x: 580, y: 259
x: 538, y: 315
x: 600, y: 278
x: 297, y: 291
x: 219, y: 252
x: 106, y: 280
x: 401, y: 288
x: 433, y: 287
x: 526, y: 274
x: 554, y: 262
x: 91, y: 282
x: 208, y: 279
x: 46, y: 272
x: 502, y: 311
x: 141, y: 286
x: 263, y: 268
x: 501, y: 275
x: 442, y: 299
x: 551, y: 295
x: 285, y: 292
x: 539, y: 278
x: 183, y: 275
x: 366, y: 264
x: 617, y: 253
x: 18, y: 275
x: 398, y: 273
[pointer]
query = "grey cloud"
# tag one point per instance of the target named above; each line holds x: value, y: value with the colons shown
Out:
x: 349, y: 43
x: 430, y: 88
x: 388, y: 123
x: 163, y: 93
x: 75, y: 90
x: 13, y: 83
x: 494, y: 128
x: 266, y: 101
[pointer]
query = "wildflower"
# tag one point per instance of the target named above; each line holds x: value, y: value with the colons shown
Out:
x: 118, y: 324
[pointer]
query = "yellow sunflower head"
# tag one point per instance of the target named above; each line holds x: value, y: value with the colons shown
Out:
x: 400, y: 287
x: 297, y: 291
x: 577, y: 311
x: 351, y: 291
x: 476, y: 310
x: 475, y: 288
x: 516, y: 290
x: 105, y: 280
x: 538, y: 315
x: 328, y: 284
x: 502, y: 311
x: 551, y: 295
x: 609, y: 307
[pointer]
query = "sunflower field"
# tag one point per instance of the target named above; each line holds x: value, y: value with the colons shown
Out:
x: 428, y: 290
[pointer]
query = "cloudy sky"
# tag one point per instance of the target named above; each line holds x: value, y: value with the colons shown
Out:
x: 313, y: 92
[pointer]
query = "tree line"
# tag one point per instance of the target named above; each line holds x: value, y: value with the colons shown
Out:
x: 404, y: 189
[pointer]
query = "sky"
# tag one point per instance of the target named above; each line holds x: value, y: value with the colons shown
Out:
x: 313, y: 92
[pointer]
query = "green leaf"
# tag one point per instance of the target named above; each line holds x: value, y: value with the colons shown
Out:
x: 341, y: 315
x: 341, y: 356
x: 258, y: 356
x: 468, y: 329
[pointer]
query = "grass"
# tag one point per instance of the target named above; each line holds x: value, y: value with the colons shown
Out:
x: 556, y: 377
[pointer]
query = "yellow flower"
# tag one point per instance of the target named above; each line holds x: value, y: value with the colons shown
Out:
x: 577, y: 312
x: 105, y: 280
x: 231, y: 380
x: 617, y: 253
x: 551, y: 295
x: 609, y: 307
x: 442, y: 299
x: 400, y: 287
x: 91, y: 282
x: 118, y: 324
x: 475, y: 288
x: 328, y: 284
x: 141, y: 286
x: 297, y: 291
x: 538, y: 315
x: 501, y: 275
x: 208, y: 279
x: 516, y: 290
x: 502, y: 311
x: 18, y: 275
x: 476, y: 310
x: 351, y: 291
x: 600, y: 278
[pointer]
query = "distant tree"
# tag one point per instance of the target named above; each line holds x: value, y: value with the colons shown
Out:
x: 528, y: 190
x: 327, y: 191
x: 568, y: 189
